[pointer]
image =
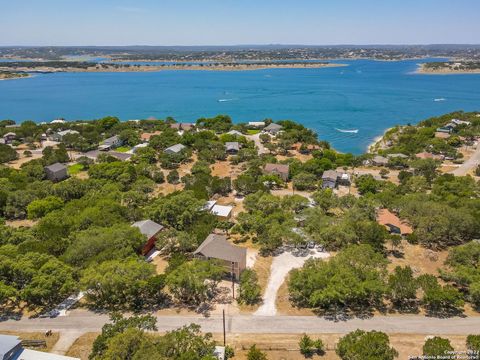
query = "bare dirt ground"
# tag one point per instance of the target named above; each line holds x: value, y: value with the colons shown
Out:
x: 160, y: 263
x: 20, y: 223
x: 226, y: 169
x: 421, y: 260
x: 22, y: 159
x: 82, y: 346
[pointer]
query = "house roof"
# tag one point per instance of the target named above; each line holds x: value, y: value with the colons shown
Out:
x: 232, y: 145
x: 209, y: 205
x: 380, y: 159
x: 111, y: 140
x: 28, y: 354
x: 221, y: 210
x: 427, y: 155
x: 280, y: 168
x: 147, y: 136
x: 66, y: 132
x: 330, y: 175
x: 148, y: 228
x: 7, y: 343
x: 217, y: 247
x: 273, y: 126
x: 403, y: 156
x: 175, y: 148
x: 56, y: 167
x: 119, y: 155
x: 442, y: 135
x: 9, y: 134
x: 235, y: 132
x: 256, y: 123
x: 385, y: 217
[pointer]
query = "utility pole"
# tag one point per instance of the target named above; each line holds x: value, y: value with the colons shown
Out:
x: 224, y: 334
x: 233, y: 282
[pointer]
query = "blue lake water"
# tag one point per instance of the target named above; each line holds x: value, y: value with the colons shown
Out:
x: 370, y: 96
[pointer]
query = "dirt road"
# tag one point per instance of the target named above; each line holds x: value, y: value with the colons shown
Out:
x: 468, y: 165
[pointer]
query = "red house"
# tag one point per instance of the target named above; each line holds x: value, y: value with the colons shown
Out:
x: 150, y: 229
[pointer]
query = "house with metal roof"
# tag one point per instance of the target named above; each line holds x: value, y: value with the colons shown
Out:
x: 150, y: 229
x: 233, y: 258
x: 222, y: 211
x: 11, y: 348
x: 273, y: 128
x: 58, y: 136
x: 111, y: 143
x: 56, y: 172
x: 232, y: 147
x: 175, y: 149
x: 330, y: 179
x: 379, y: 160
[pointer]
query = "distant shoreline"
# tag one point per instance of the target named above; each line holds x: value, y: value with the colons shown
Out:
x: 220, y: 67
x: 444, y: 71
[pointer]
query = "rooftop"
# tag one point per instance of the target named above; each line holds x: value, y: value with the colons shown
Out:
x: 217, y: 246
x: 386, y: 217
x: 175, y: 148
x: 221, y: 210
x: 56, y: 167
x: 281, y: 168
x: 148, y: 228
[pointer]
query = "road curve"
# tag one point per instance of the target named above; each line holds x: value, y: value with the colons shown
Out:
x: 471, y: 163
x: 84, y: 321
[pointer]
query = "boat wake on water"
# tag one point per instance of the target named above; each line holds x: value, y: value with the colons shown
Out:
x: 351, y: 131
x: 225, y: 100
x: 439, y: 99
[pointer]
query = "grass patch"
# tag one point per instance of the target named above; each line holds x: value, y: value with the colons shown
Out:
x: 82, y: 347
x: 122, y: 149
x: 252, y: 131
x: 75, y: 169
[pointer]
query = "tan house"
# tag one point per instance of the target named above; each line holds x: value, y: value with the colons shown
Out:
x: 281, y: 170
x: 233, y: 258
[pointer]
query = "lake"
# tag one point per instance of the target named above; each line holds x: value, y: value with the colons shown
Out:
x: 368, y: 96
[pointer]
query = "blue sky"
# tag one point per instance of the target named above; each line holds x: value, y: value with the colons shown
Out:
x: 232, y: 22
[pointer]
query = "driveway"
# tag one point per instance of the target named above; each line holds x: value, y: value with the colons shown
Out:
x: 468, y: 165
x: 281, y: 266
x: 256, y: 139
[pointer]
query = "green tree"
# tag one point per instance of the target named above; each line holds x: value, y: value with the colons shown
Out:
x: 39, y: 208
x: 372, y: 345
x: 195, y: 281
x: 305, y: 181
x: 116, y: 284
x: 256, y: 354
x: 473, y: 344
x: 7, y: 153
x: 437, y: 346
x: 119, y: 325
x: 250, y: 291
x: 173, y: 177
x: 367, y: 184
x: 402, y: 287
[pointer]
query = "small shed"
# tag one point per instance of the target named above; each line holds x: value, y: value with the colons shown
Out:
x: 56, y: 172
x: 222, y: 211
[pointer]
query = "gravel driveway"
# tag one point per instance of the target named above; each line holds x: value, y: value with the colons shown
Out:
x: 281, y: 266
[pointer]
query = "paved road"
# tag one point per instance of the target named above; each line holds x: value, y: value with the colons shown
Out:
x: 471, y: 163
x: 84, y: 321
x: 256, y: 139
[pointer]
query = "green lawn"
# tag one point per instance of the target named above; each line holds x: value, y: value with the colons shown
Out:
x: 122, y: 149
x: 75, y: 169
x: 252, y: 131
